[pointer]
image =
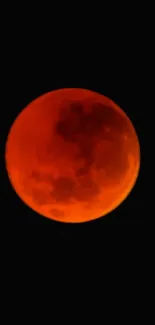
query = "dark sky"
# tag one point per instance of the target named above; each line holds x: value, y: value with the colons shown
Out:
x: 28, y: 77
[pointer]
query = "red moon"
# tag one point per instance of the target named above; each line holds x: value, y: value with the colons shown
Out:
x: 72, y: 155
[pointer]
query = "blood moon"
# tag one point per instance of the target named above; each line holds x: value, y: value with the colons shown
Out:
x: 72, y: 155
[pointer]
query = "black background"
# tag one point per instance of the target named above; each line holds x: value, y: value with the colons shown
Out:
x: 113, y: 71
x: 106, y: 50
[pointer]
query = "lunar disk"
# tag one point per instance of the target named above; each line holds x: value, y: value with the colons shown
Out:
x: 72, y: 155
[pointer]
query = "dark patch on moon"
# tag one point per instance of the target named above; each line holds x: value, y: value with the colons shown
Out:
x: 40, y: 196
x: 87, y: 189
x: 103, y: 115
x: 63, y: 188
x: 36, y: 176
x: 39, y: 177
x: 85, y: 129
x: 75, y: 121
x: 81, y: 171
x: 77, y: 108
x: 57, y: 213
x: 71, y: 122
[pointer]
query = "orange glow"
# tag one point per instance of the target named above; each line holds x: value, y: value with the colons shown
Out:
x: 72, y: 155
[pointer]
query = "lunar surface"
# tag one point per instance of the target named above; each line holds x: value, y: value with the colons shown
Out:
x: 72, y: 155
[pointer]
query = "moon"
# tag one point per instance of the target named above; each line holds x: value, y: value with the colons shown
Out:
x: 72, y: 155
